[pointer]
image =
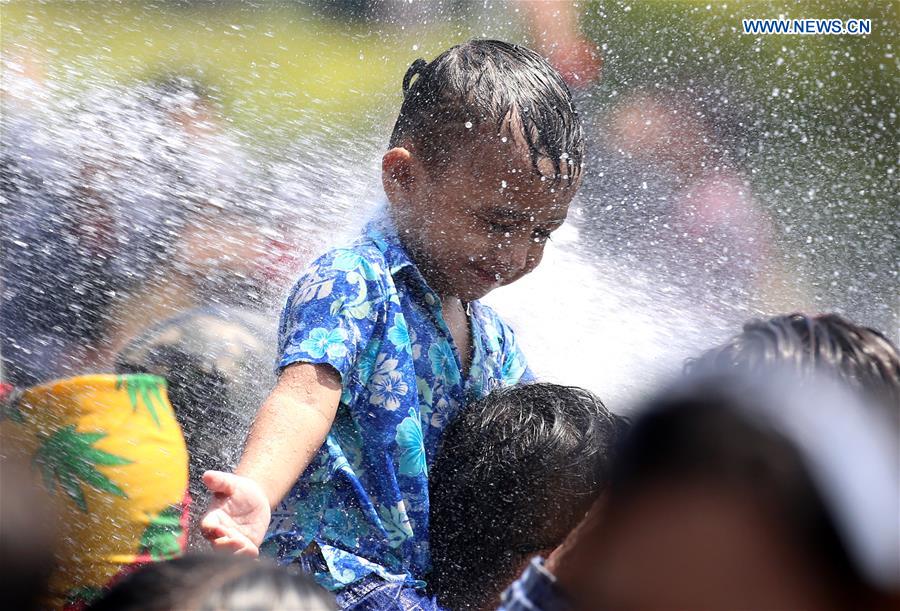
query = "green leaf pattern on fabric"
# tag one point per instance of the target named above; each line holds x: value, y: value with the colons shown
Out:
x: 144, y: 388
x: 83, y: 596
x: 69, y: 459
x: 161, y: 537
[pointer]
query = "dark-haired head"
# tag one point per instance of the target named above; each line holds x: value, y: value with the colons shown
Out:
x: 516, y: 472
x: 216, y: 362
x: 495, y: 87
x: 485, y: 159
x: 830, y: 344
x: 737, y: 491
x: 215, y: 582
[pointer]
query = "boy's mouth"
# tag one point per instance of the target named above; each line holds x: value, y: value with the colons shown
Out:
x: 489, y: 278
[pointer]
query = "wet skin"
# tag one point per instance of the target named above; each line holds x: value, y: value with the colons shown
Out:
x: 477, y: 222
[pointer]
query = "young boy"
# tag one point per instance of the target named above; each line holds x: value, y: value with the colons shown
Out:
x: 383, y: 342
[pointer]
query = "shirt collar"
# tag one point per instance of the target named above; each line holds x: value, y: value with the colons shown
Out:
x: 383, y: 233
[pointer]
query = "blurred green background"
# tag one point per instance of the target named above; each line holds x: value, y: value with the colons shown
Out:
x: 279, y: 64
x: 820, y: 135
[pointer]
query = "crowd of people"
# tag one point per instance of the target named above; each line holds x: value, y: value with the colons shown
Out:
x: 402, y: 454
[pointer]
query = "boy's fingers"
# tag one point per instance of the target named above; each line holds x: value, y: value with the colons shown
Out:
x: 216, y: 524
x: 238, y: 545
x: 212, y: 532
x: 220, y: 482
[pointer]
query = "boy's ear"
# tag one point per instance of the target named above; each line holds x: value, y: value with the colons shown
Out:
x: 397, y: 171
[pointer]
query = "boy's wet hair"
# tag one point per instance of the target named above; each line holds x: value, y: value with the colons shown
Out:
x: 504, y: 87
x: 516, y: 472
x: 859, y: 356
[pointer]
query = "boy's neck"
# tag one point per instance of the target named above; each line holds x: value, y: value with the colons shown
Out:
x: 396, y: 226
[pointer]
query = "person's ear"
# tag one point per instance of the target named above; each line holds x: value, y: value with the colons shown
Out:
x: 398, y: 173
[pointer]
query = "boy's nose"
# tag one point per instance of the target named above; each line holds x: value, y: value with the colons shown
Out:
x: 517, y: 258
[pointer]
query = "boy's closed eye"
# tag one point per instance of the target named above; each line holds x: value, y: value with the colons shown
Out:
x: 538, y: 234
x: 496, y: 227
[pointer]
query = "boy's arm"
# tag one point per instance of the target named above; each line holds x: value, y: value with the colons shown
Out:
x: 291, y: 426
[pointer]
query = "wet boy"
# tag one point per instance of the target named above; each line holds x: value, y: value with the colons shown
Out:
x: 383, y: 342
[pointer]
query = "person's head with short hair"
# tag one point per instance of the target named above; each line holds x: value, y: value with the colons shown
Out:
x: 187, y: 100
x: 27, y: 532
x: 757, y: 490
x: 827, y: 343
x: 516, y: 472
x: 215, y: 582
x: 217, y: 363
x: 484, y: 159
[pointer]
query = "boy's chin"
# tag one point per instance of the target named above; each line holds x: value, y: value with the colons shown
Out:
x: 473, y: 293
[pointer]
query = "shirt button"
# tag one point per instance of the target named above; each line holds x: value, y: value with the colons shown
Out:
x: 429, y: 299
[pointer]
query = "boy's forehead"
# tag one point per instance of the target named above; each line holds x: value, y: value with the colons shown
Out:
x: 497, y: 155
x: 492, y: 161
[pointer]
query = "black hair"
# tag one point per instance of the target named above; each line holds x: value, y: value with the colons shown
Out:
x: 701, y: 433
x: 859, y: 356
x: 515, y: 473
x: 215, y: 582
x: 504, y: 86
x: 216, y: 363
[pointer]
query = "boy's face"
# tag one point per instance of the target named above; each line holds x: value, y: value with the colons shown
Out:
x: 479, y: 221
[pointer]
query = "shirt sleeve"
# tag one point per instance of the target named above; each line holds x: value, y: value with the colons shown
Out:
x: 332, y: 311
x: 534, y: 590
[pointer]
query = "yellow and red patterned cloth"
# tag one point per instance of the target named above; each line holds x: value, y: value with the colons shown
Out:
x: 109, y: 450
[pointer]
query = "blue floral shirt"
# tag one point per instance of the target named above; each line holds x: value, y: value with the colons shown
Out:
x: 362, y: 504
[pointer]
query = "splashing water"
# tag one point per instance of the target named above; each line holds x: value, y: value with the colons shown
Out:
x: 707, y: 198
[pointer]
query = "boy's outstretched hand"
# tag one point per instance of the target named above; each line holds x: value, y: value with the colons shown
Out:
x: 238, y: 515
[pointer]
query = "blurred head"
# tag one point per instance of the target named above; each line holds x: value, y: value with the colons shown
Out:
x: 218, y: 365
x: 652, y: 126
x: 859, y: 356
x: 516, y: 472
x: 27, y: 536
x: 214, y: 582
x: 188, y: 102
x: 734, y: 492
x: 483, y: 162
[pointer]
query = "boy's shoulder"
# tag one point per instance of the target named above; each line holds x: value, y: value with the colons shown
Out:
x: 363, y: 256
x: 361, y: 267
